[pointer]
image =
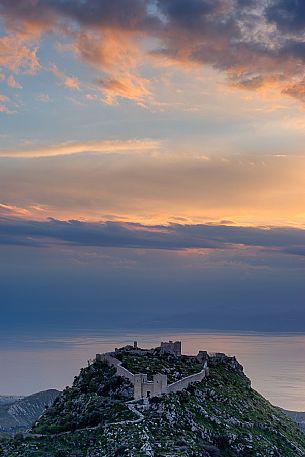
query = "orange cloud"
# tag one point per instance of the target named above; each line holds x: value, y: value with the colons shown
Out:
x: 3, y: 104
x: 11, y: 211
x: 239, y: 39
x: 68, y: 81
x: 13, y: 83
x: 17, y: 55
x: 116, y: 54
x: 128, y: 87
x: 69, y: 148
x: 156, y: 188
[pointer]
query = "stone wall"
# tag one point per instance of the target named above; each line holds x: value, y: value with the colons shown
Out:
x: 160, y: 384
x: 121, y: 371
x: 144, y: 388
x: 185, y: 382
x: 108, y: 358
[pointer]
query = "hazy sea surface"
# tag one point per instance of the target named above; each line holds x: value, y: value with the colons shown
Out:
x: 274, y: 362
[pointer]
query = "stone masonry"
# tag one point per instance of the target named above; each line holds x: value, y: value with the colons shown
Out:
x: 171, y: 347
x: 146, y: 389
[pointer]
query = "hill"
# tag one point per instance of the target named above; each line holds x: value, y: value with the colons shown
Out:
x: 19, y: 413
x: 9, y: 399
x: 298, y: 417
x: 219, y: 416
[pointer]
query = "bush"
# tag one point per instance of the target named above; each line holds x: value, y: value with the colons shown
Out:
x: 60, y: 453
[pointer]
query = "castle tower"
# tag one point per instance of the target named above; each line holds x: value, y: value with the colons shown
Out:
x: 139, y: 380
x: 160, y: 384
x: 171, y: 347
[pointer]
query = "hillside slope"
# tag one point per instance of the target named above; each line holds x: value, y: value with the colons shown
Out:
x: 220, y: 416
x: 21, y: 413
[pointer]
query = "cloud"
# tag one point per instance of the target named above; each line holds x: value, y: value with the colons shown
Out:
x: 11, y: 210
x: 160, y: 237
x: 119, y: 74
x: 17, y: 54
x: 69, y: 148
x: 127, y: 87
x: 255, y: 44
x: 288, y: 15
x: 43, y: 97
x: 68, y: 81
x: 4, y: 101
x: 149, y: 181
x: 13, y: 83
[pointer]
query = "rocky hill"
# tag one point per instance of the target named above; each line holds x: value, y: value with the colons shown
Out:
x: 19, y: 413
x: 219, y: 416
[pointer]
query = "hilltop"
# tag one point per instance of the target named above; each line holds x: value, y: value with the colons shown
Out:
x: 219, y: 416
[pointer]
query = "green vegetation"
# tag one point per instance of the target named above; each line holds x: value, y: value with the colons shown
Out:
x: 220, y: 416
x: 174, y: 367
x: 229, y: 414
x: 96, y: 397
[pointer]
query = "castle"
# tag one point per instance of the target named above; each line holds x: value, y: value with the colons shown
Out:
x: 143, y: 388
x: 171, y: 348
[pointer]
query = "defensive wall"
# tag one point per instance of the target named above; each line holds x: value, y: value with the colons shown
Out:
x: 121, y: 371
x: 185, y: 382
x: 144, y: 388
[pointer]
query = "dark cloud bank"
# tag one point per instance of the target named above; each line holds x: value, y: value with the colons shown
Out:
x: 59, y: 275
x: 133, y: 235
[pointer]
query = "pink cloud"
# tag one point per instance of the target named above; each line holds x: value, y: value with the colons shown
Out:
x: 247, y: 41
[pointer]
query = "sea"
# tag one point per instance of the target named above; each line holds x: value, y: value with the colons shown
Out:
x: 33, y: 362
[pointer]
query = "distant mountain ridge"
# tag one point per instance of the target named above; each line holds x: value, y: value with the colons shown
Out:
x: 298, y: 417
x: 19, y: 413
x: 9, y: 399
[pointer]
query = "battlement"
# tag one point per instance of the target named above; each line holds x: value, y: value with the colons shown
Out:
x: 143, y: 388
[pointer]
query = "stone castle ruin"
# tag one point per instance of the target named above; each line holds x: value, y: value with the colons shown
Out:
x: 143, y: 388
x: 171, y: 347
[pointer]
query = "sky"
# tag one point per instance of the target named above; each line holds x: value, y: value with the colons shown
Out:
x: 152, y: 164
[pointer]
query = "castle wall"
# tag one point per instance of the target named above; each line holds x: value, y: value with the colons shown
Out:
x: 108, y: 358
x: 185, y: 382
x: 121, y: 371
x: 144, y: 388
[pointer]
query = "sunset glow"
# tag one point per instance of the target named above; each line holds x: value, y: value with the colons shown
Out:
x: 157, y: 146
